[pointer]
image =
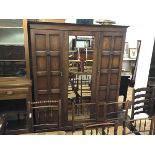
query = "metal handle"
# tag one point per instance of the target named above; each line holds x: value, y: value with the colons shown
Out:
x: 61, y: 74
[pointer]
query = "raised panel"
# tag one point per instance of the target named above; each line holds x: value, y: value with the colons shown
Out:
x: 46, y: 61
x: 42, y: 97
x: 54, y: 41
x: 112, y: 95
x: 40, y: 42
x: 42, y: 83
x: 106, y: 44
x: 105, y: 61
x: 55, y: 82
x: 55, y: 63
x: 103, y: 79
x: 109, y: 65
x: 117, y: 43
x: 55, y: 96
x: 115, y: 62
x: 41, y: 63
x: 102, y: 95
x: 114, y: 79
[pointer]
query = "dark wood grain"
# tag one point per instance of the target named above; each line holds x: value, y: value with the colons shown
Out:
x: 49, y: 45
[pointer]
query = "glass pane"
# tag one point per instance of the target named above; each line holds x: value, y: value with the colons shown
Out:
x: 80, y: 62
x: 12, y: 61
x: 12, y: 52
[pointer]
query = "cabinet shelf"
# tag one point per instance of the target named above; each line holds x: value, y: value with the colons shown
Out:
x: 129, y: 59
x: 12, y: 60
x: 10, y: 27
x: 11, y: 44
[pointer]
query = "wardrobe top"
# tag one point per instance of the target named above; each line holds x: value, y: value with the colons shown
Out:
x: 40, y: 25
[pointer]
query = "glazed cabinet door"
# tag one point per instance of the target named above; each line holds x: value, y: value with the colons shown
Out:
x: 46, y: 57
x: 109, y: 65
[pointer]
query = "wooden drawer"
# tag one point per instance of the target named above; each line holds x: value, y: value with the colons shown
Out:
x: 13, y: 91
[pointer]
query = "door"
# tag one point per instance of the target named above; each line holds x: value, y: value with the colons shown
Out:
x: 46, y: 57
x: 109, y: 66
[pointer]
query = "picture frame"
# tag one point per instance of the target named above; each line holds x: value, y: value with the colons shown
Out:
x: 80, y: 43
x: 126, y: 50
x: 133, y: 53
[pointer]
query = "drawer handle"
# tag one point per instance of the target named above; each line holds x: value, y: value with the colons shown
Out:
x: 9, y: 92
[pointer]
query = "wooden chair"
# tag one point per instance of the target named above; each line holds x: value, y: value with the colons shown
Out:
x: 108, y: 128
x: 83, y: 113
x: 79, y: 89
x: 45, y: 115
x: 3, y: 124
x: 112, y: 111
x: 73, y: 88
x: 85, y: 89
x: 145, y: 126
x: 142, y: 103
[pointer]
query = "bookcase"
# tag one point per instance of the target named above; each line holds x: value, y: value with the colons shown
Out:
x: 15, y: 83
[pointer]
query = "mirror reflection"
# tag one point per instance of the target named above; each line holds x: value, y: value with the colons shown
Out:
x: 80, y: 61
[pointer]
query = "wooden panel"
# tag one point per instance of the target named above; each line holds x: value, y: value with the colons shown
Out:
x: 42, y: 83
x: 40, y: 42
x: 116, y: 59
x: 52, y: 20
x: 109, y: 65
x: 54, y: 42
x: 42, y: 97
x: 106, y: 43
x: 105, y: 61
x: 114, y: 79
x: 11, y: 91
x: 55, y: 63
x: 112, y: 96
x: 46, y: 63
x: 103, y: 79
x: 117, y: 43
x: 55, y: 82
x: 41, y: 63
x: 102, y: 95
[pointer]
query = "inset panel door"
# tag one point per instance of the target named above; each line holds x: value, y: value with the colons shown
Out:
x: 109, y: 66
x: 46, y: 57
